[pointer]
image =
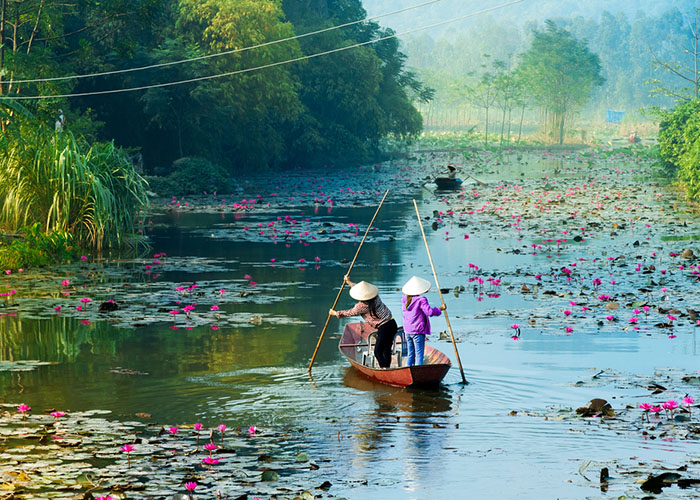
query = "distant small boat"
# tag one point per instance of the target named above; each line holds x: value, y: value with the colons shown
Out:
x: 447, y: 183
x: 358, y: 350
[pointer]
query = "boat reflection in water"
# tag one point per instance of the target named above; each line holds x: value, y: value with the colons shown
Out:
x: 410, y: 426
x: 393, y: 401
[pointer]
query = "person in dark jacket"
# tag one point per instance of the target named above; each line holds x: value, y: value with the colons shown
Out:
x: 376, y: 314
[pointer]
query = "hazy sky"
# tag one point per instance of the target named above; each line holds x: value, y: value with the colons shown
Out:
x: 528, y: 10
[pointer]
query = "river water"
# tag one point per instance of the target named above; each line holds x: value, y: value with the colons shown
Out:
x: 499, y: 436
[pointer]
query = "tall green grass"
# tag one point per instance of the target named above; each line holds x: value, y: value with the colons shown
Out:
x: 92, y: 192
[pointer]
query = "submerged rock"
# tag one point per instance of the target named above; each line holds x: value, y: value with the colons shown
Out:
x: 108, y: 306
x: 688, y: 254
x: 596, y: 407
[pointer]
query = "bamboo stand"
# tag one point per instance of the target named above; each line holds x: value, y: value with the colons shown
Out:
x: 340, y: 292
x: 430, y: 258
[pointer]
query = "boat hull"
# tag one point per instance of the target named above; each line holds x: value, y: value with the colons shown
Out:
x: 447, y: 183
x: 354, y: 346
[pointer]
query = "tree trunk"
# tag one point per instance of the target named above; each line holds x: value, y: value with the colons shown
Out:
x: 486, y: 138
x: 15, y: 27
x: 36, y: 26
x: 522, y: 117
x: 561, y: 129
x: 503, y: 124
x: 510, y: 121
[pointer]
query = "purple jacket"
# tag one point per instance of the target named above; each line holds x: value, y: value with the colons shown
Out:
x: 415, y: 317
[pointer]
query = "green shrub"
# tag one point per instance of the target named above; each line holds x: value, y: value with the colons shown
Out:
x: 162, y: 186
x: 679, y: 145
x: 196, y: 176
x: 675, y: 128
x: 35, y: 248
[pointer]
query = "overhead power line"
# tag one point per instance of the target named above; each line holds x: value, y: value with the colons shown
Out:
x: 264, y: 66
x: 219, y: 54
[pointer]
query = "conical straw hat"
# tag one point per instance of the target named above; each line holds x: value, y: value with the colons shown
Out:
x: 416, y: 286
x: 364, y: 291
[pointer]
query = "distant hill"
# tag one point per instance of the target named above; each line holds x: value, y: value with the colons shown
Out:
x: 527, y: 11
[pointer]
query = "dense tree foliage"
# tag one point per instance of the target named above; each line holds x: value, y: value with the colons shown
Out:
x: 560, y: 72
x: 329, y: 108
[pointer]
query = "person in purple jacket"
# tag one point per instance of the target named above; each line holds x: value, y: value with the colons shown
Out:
x: 416, y: 313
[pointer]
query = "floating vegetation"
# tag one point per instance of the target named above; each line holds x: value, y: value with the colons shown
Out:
x: 69, y: 454
x: 22, y: 365
x: 124, y: 302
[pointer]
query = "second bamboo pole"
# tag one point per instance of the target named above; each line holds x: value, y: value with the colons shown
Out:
x: 437, y: 284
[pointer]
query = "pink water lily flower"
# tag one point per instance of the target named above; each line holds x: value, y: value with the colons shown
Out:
x: 190, y: 486
x: 646, y: 407
x: 211, y: 447
x: 65, y: 282
x: 210, y: 461
x: 58, y: 414
x: 23, y: 408
x: 173, y: 430
x: 687, y: 401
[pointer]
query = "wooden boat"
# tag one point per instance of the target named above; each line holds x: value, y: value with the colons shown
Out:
x: 447, y: 183
x: 357, y: 345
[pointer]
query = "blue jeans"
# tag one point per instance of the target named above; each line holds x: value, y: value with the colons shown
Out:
x: 416, y: 347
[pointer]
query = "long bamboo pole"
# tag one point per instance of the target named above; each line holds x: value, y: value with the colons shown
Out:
x: 442, y: 301
x: 340, y: 292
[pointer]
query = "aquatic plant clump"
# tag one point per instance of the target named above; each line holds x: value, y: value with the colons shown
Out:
x: 91, y: 193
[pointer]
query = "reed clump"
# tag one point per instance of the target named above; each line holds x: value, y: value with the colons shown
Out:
x: 92, y: 193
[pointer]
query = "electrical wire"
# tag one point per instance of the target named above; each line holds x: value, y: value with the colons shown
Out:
x: 218, y: 54
x: 264, y: 66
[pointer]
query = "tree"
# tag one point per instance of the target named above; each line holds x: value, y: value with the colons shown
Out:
x: 483, y: 94
x: 508, y: 89
x: 561, y: 72
x: 352, y: 98
x: 688, y: 71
